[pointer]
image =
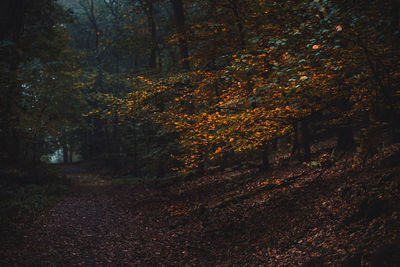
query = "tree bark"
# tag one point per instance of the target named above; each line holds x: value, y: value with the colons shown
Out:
x: 12, y: 18
x: 239, y: 22
x: 179, y: 16
x: 149, y: 11
x: 345, y: 138
x: 295, y: 141
x: 265, y: 161
x: 71, y: 153
x: 65, y: 153
x: 12, y: 13
x: 305, y: 140
x: 135, y: 151
x: 395, y: 28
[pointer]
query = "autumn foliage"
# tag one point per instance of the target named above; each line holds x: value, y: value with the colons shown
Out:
x: 272, y: 70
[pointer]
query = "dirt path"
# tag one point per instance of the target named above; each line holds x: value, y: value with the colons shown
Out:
x: 276, y: 221
x: 95, y: 225
x: 101, y: 224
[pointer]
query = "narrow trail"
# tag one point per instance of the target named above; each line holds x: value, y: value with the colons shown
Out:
x: 287, y: 217
x: 96, y: 224
x: 102, y: 224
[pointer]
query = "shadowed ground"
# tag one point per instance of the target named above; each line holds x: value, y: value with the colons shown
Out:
x: 292, y: 216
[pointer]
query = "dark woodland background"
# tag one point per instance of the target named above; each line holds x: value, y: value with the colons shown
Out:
x: 171, y: 91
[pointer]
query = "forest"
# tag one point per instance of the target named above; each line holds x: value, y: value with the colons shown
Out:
x: 200, y: 133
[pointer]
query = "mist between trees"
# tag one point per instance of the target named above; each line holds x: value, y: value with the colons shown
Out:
x: 154, y: 88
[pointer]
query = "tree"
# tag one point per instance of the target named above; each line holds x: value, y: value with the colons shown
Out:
x: 180, y: 25
x: 259, y: 72
x: 39, y: 74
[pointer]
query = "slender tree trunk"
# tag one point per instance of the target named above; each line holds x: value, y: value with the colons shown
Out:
x: 395, y: 27
x: 93, y: 20
x: 295, y: 141
x: 11, y: 112
x: 201, y: 170
x: 274, y: 145
x: 239, y: 22
x: 179, y: 16
x: 135, y: 62
x: 116, y: 146
x: 135, y: 153
x: 35, y: 152
x: 89, y: 140
x: 159, y: 59
x: 117, y: 60
x: 265, y: 161
x: 12, y: 18
x: 12, y: 13
x: 149, y: 10
x: 65, y: 153
x: 70, y: 154
x: 345, y: 138
x: 305, y: 142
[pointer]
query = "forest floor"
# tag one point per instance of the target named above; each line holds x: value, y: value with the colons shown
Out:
x: 326, y: 213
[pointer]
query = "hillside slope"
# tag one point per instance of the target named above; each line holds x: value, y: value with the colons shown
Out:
x: 330, y: 213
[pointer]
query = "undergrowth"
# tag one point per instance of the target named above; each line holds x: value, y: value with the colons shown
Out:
x: 20, y: 202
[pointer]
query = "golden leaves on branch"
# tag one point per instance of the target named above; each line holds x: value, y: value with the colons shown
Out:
x: 237, y: 108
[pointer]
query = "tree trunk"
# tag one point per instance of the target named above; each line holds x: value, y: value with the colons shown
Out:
x: 135, y: 151
x: 12, y: 18
x: 274, y: 145
x: 149, y: 10
x: 65, y: 153
x: 345, y: 139
x: 239, y: 22
x: 116, y: 146
x: 70, y: 155
x: 295, y: 141
x: 305, y: 140
x: 12, y: 14
x: 179, y: 16
x: 395, y: 27
x: 201, y: 168
x: 265, y: 161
